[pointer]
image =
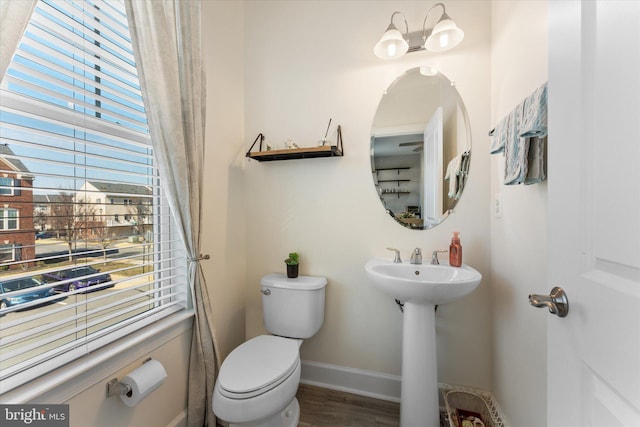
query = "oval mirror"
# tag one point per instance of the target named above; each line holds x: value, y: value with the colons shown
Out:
x: 420, y: 149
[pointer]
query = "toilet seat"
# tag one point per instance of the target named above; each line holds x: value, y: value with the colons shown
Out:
x: 257, y: 366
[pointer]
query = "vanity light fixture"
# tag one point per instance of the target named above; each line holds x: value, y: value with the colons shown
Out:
x: 392, y: 44
x: 443, y: 36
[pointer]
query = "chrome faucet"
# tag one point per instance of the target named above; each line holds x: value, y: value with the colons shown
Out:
x: 416, y: 256
x: 434, y: 256
x: 396, y: 259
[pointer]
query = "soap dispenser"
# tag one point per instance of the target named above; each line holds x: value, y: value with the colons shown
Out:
x: 455, y: 250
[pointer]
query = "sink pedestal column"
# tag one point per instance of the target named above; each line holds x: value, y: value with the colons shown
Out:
x: 419, y: 393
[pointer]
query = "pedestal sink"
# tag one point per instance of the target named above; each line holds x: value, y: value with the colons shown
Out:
x: 421, y: 287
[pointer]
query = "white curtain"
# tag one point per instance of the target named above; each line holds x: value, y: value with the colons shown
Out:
x: 14, y: 17
x: 166, y: 36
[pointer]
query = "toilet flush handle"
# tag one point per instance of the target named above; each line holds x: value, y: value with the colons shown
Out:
x: 266, y: 291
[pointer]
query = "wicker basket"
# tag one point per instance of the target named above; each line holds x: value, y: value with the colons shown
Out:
x: 477, y: 401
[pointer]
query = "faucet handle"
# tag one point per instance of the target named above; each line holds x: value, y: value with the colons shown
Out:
x: 396, y: 259
x: 434, y: 255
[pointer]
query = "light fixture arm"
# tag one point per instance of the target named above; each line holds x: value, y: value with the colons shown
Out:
x: 406, y: 26
x: 424, y: 23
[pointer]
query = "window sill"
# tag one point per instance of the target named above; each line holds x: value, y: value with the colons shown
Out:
x: 66, y: 382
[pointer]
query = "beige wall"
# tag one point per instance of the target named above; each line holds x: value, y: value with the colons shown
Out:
x: 163, y: 407
x: 223, y: 205
x: 518, y: 239
x: 310, y: 61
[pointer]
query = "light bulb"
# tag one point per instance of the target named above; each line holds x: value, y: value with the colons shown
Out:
x: 444, y: 40
x: 428, y: 70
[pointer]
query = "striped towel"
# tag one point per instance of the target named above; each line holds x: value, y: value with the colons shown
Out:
x: 521, y: 136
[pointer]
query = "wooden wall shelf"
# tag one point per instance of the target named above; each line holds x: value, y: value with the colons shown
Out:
x: 296, y: 153
x: 393, y: 169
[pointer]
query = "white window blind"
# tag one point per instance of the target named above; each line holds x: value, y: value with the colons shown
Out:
x: 94, y: 255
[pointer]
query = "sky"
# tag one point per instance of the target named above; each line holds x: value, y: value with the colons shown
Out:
x: 57, y: 69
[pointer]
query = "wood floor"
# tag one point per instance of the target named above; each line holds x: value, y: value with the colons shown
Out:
x: 321, y: 407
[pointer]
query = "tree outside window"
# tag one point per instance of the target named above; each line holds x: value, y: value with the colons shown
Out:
x: 70, y: 219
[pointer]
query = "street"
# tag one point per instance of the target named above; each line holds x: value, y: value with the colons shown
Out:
x: 22, y: 338
x: 33, y: 332
x: 123, y: 247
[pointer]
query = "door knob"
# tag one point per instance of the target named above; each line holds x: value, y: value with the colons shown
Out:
x: 556, y: 301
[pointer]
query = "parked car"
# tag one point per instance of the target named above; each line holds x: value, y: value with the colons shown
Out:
x: 12, y: 285
x: 44, y: 235
x: 78, y: 273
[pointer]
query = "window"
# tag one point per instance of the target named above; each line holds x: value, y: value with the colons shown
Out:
x: 73, y: 120
x: 7, y: 253
x: 8, y: 219
x: 5, y: 186
x: 9, y: 187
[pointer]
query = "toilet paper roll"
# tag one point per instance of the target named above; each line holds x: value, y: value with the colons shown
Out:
x: 143, y: 381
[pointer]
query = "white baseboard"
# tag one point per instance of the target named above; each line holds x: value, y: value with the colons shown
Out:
x: 351, y: 380
x: 180, y: 420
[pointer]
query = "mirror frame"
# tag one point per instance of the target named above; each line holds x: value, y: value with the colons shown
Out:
x: 409, y: 138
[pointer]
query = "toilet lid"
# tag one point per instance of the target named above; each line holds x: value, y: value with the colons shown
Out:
x: 258, y: 365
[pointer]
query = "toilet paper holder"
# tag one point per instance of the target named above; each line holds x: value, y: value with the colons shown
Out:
x: 116, y: 388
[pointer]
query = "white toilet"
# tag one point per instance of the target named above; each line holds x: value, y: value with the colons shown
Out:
x: 258, y: 381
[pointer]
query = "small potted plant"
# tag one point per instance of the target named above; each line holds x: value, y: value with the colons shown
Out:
x: 292, y: 265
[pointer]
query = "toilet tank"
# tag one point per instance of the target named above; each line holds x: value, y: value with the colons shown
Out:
x: 293, y: 308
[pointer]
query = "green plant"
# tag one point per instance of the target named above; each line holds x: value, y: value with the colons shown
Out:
x: 294, y: 259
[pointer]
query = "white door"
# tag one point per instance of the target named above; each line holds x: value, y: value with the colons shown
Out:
x: 593, y: 367
x: 433, y: 168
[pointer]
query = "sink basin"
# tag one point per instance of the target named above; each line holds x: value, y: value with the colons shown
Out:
x: 427, y: 283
